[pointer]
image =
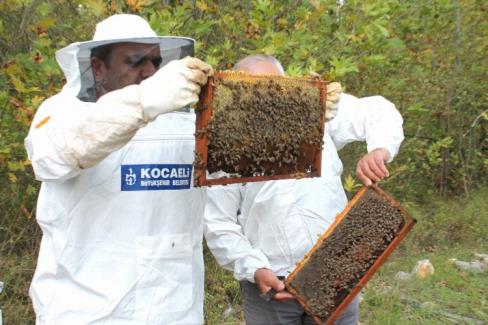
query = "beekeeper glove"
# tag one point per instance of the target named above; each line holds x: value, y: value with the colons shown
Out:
x: 174, y: 86
x: 334, y: 91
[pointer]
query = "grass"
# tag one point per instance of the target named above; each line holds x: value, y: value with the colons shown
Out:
x: 445, y: 230
x: 16, y: 274
x: 222, y: 295
x: 19, y: 244
x: 432, y: 300
x: 456, y: 228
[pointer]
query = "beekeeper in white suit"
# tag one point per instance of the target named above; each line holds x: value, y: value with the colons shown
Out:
x: 260, y: 231
x: 122, y: 224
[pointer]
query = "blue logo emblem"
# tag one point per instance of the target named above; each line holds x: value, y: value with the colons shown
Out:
x: 155, y: 177
x: 130, y: 178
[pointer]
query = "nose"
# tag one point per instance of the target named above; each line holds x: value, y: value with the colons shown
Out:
x: 148, y: 69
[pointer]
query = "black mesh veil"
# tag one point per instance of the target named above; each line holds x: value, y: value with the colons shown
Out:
x: 75, y: 60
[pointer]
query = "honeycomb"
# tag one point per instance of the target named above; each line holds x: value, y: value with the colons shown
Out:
x: 338, y: 263
x: 264, y: 127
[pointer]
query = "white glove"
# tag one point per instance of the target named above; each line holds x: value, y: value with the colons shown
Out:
x: 174, y: 86
x: 334, y: 91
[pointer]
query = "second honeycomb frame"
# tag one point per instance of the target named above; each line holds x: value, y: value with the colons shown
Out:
x: 409, y: 222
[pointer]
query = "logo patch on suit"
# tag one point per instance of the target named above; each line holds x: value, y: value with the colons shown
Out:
x: 155, y: 177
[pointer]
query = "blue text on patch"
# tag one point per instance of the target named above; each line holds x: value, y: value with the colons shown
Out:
x: 150, y: 177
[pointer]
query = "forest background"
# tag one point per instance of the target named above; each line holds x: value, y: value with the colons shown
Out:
x: 427, y: 57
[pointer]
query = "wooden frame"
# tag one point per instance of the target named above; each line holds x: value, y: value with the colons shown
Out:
x: 204, y: 116
x: 337, y: 311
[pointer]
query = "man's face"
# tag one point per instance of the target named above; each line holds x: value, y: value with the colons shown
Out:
x: 127, y: 64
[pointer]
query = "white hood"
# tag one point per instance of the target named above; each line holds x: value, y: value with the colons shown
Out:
x: 74, y: 59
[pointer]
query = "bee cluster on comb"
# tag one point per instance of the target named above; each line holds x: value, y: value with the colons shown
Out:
x: 262, y: 126
x: 348, y: 254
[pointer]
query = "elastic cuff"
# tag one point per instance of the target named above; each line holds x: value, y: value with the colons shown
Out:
x: 390, y: 150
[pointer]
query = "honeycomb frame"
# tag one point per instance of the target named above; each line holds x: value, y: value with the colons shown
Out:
x: 346, y: 292
x: 306, y: 158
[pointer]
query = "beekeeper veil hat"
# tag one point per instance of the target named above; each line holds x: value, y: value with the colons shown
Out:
x: 74, y: 59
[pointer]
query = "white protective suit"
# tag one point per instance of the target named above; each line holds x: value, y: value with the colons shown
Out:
x: 274, y: 224
x: 122, y: 239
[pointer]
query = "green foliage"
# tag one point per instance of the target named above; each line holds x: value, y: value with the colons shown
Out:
x: 29, y: 74
x: 372, y: 47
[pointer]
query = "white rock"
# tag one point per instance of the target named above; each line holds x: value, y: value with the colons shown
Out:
x: 402, y: 276
x: 482, y: 257
x: 423, y: 269
x: 471, y: 267
x: 428, y: 305
x: 229, y: 311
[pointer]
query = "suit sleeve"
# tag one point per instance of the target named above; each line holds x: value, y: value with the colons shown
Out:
x: 68, y: 135
x: 225, y: 237
x: 371, y: 119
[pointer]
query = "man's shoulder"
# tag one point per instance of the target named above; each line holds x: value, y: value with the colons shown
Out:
x: 60, y: 97
x: 55, y: 102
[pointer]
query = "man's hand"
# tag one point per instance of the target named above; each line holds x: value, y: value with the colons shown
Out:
x: 174, y: 86
x: 371, y: 168
x: 265, y: 280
